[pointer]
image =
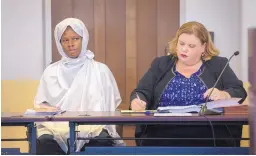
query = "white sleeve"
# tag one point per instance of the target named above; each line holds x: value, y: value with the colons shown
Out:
x: 111, y: 91
x: 49, y: 90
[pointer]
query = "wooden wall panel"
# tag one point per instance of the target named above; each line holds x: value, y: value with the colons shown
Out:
x: 84, y: 10
x: 167, y: 26
x: 126, y: 35
x: 99, y: 30
x: 61, y: 9
x: 115, y: 41
x: 131, y: 61
x: 146, y: 35
x: 131, y: 49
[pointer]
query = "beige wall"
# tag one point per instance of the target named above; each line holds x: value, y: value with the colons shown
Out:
x: 17, y: 96
x: 22, y: 60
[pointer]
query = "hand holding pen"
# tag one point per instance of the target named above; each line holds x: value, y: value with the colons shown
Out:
x: 138, y: 104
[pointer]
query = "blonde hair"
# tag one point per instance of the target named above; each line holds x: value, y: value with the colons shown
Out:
x: 199, y: 31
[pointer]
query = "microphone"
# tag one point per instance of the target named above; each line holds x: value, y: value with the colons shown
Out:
x: 204, y: 110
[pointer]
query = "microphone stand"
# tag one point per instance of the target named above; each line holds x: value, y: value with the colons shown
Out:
x: 204, y: 110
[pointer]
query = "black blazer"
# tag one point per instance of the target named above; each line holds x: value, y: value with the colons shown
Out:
x: 154, y: 81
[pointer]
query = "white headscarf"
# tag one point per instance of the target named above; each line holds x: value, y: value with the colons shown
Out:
x: 77, y: 84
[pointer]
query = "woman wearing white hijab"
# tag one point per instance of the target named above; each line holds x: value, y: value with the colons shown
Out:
x: 75, y: 83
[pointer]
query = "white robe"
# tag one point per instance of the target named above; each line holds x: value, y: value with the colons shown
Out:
x: 80, y: 84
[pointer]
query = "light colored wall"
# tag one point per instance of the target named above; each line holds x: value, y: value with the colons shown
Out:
x: 229, y: 20
x: 22, y: 39
x: 248, y: 19
x: 223, y: 18
x: 23, y: 45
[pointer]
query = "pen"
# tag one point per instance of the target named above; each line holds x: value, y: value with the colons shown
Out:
x: 138, y: 97
x: 62, y: 112
x: 147, y: 112
x: 17, y: 116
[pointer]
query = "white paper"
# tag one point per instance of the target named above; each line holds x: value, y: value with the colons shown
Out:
x: 172, y: 114
x: 178, y: 109
x: 33, y: 112
x: 142, y: 111
x: 223, y: 103
x: 196, y: 108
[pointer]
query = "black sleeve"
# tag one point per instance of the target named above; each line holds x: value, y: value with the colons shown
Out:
x: 146, y: 84
x: 231, y: 83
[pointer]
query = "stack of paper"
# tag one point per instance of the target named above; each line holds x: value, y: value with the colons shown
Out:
x: 179, y: 109
x: 196, y: 108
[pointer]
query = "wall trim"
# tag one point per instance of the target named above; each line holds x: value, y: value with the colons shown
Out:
x: 47, y: 33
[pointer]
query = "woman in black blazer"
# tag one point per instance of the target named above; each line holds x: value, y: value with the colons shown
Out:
x: 186, y: 77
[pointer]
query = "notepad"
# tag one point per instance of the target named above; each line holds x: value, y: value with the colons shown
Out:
x: 143, y: 111
x: 173, y: 114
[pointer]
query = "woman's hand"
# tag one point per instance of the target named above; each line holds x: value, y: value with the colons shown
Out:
x: 138, y: 105
x: 217, y: 94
